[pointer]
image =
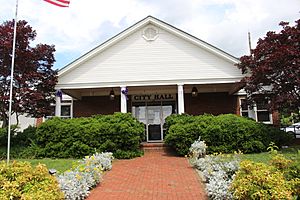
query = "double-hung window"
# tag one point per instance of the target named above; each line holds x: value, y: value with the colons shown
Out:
x: 244, y: 108
x: 262, y: 113
x: 259, y: 111
x: 66, y: 109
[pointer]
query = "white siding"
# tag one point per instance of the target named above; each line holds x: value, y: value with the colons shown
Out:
x: 135, y: 59
x: 24, y: 121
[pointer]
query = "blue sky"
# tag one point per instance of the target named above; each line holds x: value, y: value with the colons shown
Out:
x: 86, y: 24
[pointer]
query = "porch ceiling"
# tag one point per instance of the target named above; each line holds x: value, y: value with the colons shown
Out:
x: 172, y: 89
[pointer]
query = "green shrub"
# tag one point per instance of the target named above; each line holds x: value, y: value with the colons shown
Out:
x: 223, y: 133
x: 293, y: 170
x: 26, y: 137
x: 260, y: 181
x: 18, y: 138
x: 75, y: 138
x: 178, y: 119
x: 15, y: 152
x: 20, y: 143
x: 20, y: 180
x: 3, y: 135
x: 290, y: 169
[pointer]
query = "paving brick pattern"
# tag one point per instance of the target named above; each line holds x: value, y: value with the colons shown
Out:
x: 157, y: 176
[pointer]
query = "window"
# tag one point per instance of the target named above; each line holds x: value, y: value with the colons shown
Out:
x: 65, y: 109
x: 244, y: 108
x: 259, y: 112
x: 263, y: 114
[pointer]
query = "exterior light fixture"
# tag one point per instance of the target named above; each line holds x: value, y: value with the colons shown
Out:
x: 112, y: 95
x: 194, y: 92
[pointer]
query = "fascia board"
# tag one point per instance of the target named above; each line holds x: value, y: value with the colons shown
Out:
x: 195, y: 40
x: 147, y: 83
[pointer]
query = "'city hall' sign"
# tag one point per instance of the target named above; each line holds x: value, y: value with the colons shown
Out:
x: 153, y: 97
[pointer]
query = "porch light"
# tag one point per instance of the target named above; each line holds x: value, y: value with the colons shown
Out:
x: 112, y: 95
x: 194, y: 92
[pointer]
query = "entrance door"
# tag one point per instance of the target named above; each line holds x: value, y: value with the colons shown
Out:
x: 154, y: 123
x: 153, y: 116
x: 156, y: 116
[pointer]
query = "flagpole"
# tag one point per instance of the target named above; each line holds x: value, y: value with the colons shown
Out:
x: 249, y: 41
x: 11, y: 81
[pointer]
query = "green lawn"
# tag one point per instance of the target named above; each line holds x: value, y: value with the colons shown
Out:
x: 257, y: 157
x: 61, y: 165
x: 291, y: 152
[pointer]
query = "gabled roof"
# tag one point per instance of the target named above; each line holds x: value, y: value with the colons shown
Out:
x: 136, y: 26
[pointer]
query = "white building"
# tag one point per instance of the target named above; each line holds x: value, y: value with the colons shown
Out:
x: 153, y: 69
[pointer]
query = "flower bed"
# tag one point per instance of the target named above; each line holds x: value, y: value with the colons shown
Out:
x: 226, y: 177
x: 217, y: 170
x: 77, y: 183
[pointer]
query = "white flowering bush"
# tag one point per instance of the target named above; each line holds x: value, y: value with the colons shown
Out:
x: 198, y: 149
x: 217, y: 170
x: 77, y: 183
x: 218, y: 186
x: 99, y: 159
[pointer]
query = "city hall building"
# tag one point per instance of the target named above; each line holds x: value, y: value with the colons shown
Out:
x: 152, y: 69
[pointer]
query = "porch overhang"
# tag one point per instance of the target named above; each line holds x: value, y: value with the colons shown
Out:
x: 157, y: 88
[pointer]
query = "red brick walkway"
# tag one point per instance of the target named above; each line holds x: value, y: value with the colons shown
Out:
x: 156, y: 176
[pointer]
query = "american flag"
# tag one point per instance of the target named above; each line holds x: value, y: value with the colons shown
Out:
x: 60, y: 3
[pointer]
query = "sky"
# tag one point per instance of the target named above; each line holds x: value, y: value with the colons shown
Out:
x: 88, y: 23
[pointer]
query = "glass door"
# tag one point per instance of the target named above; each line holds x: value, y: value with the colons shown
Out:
x: 140, y: 113
x: 154, y: 118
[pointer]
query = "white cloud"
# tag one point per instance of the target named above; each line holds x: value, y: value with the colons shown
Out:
x: 86, y: 24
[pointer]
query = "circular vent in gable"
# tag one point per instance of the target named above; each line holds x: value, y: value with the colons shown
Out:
x: 150, y: 33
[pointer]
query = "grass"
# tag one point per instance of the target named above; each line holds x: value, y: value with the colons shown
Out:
x: 290, y: 153
x: 257, y: 157
x: 61, y: 165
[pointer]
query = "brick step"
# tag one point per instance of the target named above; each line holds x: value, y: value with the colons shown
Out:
x: 155, y: 147
x: 153, y: 144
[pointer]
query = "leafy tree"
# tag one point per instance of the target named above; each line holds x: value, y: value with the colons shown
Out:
x: 34, y: 78
x: 273, y: 69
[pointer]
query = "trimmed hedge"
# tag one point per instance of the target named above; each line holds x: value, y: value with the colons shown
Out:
x: 223, y: 133
x: 20, y: 143
x: 74, y: 138
x: 17, y: 138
